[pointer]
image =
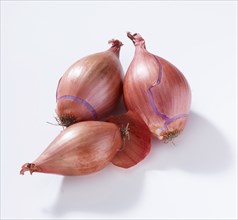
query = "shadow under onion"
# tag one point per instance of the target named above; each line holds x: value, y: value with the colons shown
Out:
x: 108, y: 191
x: 200, y: 149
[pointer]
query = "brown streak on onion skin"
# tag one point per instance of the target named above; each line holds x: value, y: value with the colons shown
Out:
x: 96, y: 80
x: 80, y: 149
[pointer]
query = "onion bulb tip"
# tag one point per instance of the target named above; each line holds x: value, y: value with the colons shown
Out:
x: 31, y: 167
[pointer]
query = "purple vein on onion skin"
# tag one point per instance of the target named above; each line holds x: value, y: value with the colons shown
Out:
x: 167, y: 119
x: 77, y: 99
x: 81, y: 101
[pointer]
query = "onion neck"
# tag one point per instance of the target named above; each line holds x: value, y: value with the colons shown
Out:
x: 31, y: 167
x: 116, y: 46
x: 137, y: 40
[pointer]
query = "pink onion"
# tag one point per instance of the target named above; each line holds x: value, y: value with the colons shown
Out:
x: 90, y: 89
x: 89, y: 146
x: 82, y: 148
x: 158, y: 91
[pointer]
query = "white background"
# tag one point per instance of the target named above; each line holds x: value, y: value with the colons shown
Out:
x: 196, y: 179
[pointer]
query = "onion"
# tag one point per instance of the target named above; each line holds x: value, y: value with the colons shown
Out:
x: 90, y: 89
x: 82, y: 148
x: 136, y: 139
x: 161, y: 93
x: 87, y: 147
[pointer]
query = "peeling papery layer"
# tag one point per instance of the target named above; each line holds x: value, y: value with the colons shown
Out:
x: 135, y: 139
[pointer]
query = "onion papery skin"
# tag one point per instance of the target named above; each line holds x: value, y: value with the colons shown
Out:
x: 136, y: 138
x: 161, y: 93
x: 91, y: 88
x: 80, y: 149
